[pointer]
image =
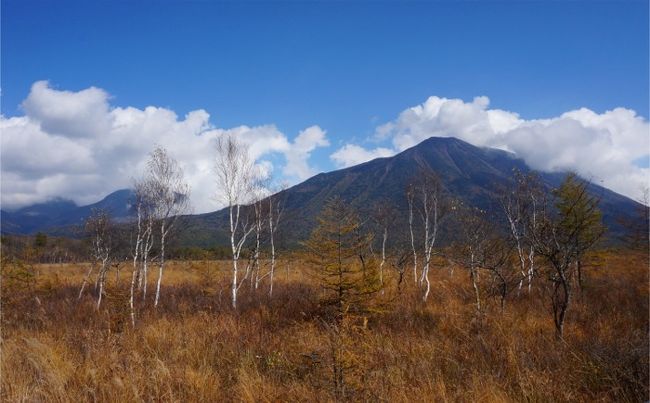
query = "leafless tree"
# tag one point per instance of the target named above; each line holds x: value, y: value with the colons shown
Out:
x: 143, y: 208
x: 145, y: 252
x: 170, y: 198
x: 410, y: 198
x: 160, y: 197
x: 520, y: 204
x: 426, y: 196
x: 259, y: 221
x: 268, y: 213
x: 384, y: 215
x: 480, y: 247
x: 276, y: 207
x: 235, y: 179
x: 470, y: 251
x: 260, y: 217
x: 99, y: 226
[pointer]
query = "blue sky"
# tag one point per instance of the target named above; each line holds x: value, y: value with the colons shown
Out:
x: 347, y: 68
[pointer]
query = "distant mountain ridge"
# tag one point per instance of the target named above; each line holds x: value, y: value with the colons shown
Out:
x: 468, y: 173
x: 58, y: 216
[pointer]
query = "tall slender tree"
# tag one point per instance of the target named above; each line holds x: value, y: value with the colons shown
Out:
x: 99, y: 227
x: 170, y: 195
x: 426, y: 197
x: 235, y: 179
x: 384, y: 215
x: 519, y: 203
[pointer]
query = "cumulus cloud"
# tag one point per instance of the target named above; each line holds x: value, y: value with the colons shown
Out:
x: 68, y: 114
x: 352, y: 154
x: 601, y: 147
x: 75, y: 145
x: 306, y: 142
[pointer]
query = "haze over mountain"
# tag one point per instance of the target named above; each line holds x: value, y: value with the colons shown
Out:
x: 468, y: 173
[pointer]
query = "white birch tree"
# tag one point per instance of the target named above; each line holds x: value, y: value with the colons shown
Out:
x: 384, y: 215
x: 410, y: 198
x: 160, y: 197
x: 170, y: 198
x: 143, y: 206
x: 427, y: 198
x: 235, y: 178
x: 98, y: 226
x: 276, y: 207
x: 521, y: 205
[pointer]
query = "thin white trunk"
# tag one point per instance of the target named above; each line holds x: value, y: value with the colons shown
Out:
x: 163, y: 234
x: 427, y: 287
x: 517, y: 237
x: 272, y: 270
x: 236, y: 251
x: 383, y: 256
x: 531, y: 254
x: 133, y: 276
x: 234, y: 284
x: 256, y: 256
x: 425, y: 268
x: 101, y: 291
x: 83, y: 285
x: 415, y: 254
x: 474, y: 276
x: 430, y: 234
x: 148, y: 245
x: 235, y: 258
x: 531, y: 267
x: 102, y: 278
x: 138, y: 239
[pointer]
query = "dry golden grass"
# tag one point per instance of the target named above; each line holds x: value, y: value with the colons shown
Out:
x: 194, y: 347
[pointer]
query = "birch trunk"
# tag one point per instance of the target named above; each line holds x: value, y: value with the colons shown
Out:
x: 415, y: 254
x: 163, y: 234
x: 102, y: 278
x: 272, y: 257
x: 383, y: 256
x: 131, y: 299
x: 235, y: 257
x: 83, y: 285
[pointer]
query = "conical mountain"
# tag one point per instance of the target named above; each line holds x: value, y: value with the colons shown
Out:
x: 468, y: 173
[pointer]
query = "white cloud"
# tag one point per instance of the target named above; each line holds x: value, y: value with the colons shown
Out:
x: 306, y: 142
x: 75, y: 145
x: 352, y: 154
x: 601, y: 147
x: 68, y: 114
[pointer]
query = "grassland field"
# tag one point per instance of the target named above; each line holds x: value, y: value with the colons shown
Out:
x: 195, y: 347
